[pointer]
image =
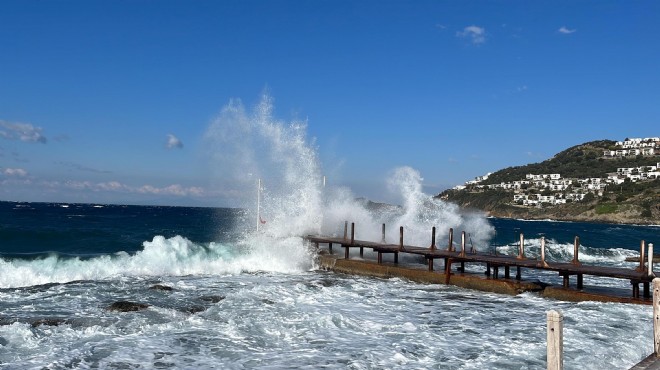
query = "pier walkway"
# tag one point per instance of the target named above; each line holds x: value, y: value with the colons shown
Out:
x: 493, y: 263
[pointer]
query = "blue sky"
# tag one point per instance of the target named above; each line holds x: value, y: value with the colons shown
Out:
x: 108, y: 101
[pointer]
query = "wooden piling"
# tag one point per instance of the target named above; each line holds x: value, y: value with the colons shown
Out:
x: 432, y: 247
x: 656, y: 316
x: 576, y: 246
x: 543, y: 263
x: 451, y: 240
x: 462, y: 244
x: 400, y: 238
x: 642, y: 249
x: 651, y: 260
x: 555, y: 340
x: 382, y: 240
x: 352, y: 233
x: 345, y: 230
x: 521, y: 248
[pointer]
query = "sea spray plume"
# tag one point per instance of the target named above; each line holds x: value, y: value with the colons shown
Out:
x: 254, y: 145
x: 248, y: 146
x: 421, y: 212
x: 418, y: 213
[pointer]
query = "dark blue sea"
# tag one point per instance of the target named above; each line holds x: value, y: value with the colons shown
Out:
x: 219, y: 295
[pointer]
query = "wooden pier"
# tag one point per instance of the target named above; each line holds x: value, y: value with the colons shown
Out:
x: 494, y: 263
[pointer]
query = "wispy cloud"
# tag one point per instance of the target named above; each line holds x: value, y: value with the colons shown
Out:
x: 173, y: 142
x: 475, y: 34
x: 14, y: 172
x: 175, y: 189
x: 21, y: 131
x: 565, y: 31
x: 116, y: 186
x: 82, y: 168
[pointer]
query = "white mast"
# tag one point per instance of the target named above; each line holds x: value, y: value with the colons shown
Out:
x: 258, y: 203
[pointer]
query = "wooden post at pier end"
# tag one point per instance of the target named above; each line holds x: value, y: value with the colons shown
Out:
x: 345, y: 230
x: 382, y: 239
x: 543, y: 263
x: 656, y: 317
x: 651, y: 260
x: 352, y: 233
x: 521, y: 248
x: 451, y: 240
x: 462, y: 244
x: 555, y: 340
x: 576, y: 246
x: 400, y: 238
x: 432, y: 247
x: 642, y: 250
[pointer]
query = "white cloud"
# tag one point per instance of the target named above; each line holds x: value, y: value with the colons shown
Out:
x: 21, y: 131
x: 175, y: 189
x: 565, y: 30
x: 173, y: 142
x: 80, y: 167
x: 18, y: 172
x: 116, y: 186
x: 476, y: 35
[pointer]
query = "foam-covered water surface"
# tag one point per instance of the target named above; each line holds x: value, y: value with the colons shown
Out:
x: 306, y: 320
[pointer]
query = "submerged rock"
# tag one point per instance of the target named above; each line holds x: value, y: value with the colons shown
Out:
x: 212, y: 298
x: 194, y: 309
x: 125, y: 306
x: 47, y: 321
x: 162, y: 287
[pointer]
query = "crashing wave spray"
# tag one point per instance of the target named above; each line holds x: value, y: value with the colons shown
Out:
x: 418, y: 213
x: 256, y: 145
x: 248, y: 146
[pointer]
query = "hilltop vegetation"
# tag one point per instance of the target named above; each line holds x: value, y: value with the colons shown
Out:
x: 628, y: 202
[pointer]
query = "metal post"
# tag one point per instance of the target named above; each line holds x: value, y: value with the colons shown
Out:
x: 555, y: 340
x: 642, y: 249
x: 656, y: 316
x: 462, y: 244
x: 432, y: 247
x: 543, y: 263
x: 576, y: 246
x: 382, y: 240
x: 400, y: 238
x: 521, y: 248
x: 451, y: 240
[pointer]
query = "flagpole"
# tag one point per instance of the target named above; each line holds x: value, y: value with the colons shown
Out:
x: 258, y: 203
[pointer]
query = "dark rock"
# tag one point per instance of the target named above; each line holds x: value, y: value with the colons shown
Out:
x: 195, y: 309
x: 47, y: 321
x: 125, y: 306
x: 212, y: 298
x: 267, y: 301
x: 162, y: 287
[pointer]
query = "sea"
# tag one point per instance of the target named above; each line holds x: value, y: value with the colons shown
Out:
x: 222, y: 295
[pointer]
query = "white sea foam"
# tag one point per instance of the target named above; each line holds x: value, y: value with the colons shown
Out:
x: 175, y: 256
x: 563, y: 252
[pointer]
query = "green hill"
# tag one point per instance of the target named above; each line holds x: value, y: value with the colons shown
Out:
x: 628, y: 202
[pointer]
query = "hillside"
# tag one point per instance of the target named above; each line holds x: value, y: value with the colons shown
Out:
x: 588, y: 188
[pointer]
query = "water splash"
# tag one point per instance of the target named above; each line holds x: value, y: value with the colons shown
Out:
x: 254, y: 144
